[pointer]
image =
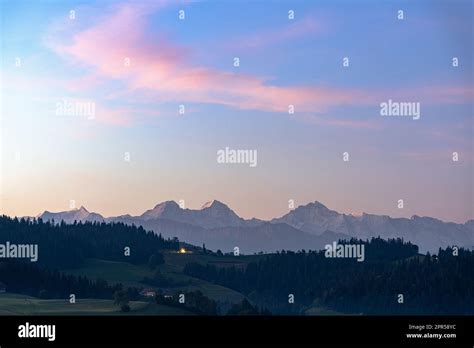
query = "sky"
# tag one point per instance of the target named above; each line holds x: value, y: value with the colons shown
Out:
x: 164, y: 95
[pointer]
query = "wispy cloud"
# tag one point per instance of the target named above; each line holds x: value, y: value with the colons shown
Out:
x: 159, y: 66
x: 163, y: 71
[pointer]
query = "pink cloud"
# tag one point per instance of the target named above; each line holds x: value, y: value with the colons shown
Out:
x: 164, y: 69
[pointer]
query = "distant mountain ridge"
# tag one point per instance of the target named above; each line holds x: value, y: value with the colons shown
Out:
x: 81, y: 214
x: 308, y: 226
x: 212, y: 214
x: 428, y: 233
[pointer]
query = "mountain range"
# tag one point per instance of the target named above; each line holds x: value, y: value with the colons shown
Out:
x: 309, y: 226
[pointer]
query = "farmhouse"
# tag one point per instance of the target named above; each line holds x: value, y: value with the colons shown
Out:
x: 148, y: 293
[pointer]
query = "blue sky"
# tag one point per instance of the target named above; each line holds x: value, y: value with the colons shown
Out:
x: 50, y: 159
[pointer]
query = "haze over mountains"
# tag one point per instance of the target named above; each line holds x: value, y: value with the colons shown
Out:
x: 81, y: 214
x: 307, y: 227
x: 213, y: 214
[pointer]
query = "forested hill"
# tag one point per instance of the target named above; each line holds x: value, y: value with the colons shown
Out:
x: 68, y: 245
x: 442, y: 284
x: 373, y: 284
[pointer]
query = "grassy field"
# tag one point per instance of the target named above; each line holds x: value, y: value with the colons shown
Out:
x: 178, y: 261
x: 131, y: 275
x: 14, y: 304
x: 113, y: 272
x: 321, y: 311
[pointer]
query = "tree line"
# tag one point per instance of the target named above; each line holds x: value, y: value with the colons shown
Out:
x: 62, y: 245
x: 440, y: 284
x: 28, y: 279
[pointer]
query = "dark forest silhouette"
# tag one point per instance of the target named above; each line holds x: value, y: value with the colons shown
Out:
x: 442, y: 284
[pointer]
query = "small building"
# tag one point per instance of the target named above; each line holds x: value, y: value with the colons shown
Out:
x: 184, y: 251
x: 148, y: 293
